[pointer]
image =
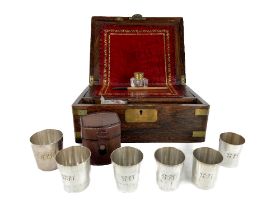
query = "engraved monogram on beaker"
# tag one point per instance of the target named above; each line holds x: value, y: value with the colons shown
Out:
x: 232, y: 155
x: 204, y: 175
x: 168, y: 177
x: 47, y: 156
x: 68, y: 178
x: 128, y: 178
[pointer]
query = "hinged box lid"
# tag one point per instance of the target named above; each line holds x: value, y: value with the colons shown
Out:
x: 121, y: 46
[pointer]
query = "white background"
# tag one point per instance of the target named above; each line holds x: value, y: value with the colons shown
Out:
x: 232, y: 61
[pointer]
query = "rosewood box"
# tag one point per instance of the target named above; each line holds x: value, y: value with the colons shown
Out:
x: 165, y: 111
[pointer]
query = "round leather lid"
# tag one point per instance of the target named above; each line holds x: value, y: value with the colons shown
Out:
x: 100, y: 119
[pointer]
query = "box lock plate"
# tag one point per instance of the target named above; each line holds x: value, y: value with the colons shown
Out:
x: 141, y: 115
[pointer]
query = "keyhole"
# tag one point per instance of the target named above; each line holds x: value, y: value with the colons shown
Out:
x: 141, y: 112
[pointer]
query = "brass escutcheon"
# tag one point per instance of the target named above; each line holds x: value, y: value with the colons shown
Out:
x: 140, y: 115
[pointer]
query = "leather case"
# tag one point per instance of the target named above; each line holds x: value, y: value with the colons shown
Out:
x: 101, y: 133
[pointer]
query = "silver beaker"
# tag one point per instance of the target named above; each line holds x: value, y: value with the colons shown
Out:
x: 45, y: 145
x: 170, y: 162
x: 205, y: 167
x: 74, y: 166
x: 230, y: 145
x: 126, y: 163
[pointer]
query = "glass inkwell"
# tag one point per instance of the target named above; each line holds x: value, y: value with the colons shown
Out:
x: 138, y: 80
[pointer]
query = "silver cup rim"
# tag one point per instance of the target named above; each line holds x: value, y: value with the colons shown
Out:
x: 54, y: 141
x: 208, y: 162
x: 123, y: 148
x: 174, y: 149
x: 232, y: 138
x: 63, y: 150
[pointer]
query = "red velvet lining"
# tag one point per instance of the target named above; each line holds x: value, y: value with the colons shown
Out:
x: 128, y: 49
x: 129, y: 55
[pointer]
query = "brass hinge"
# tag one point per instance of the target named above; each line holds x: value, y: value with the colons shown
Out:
x: 183, y: 80
x: 119, y: 18
x: 78, y: 135
x: 91, y: 80
x: 201, y: 112
x: 199, y: 134
x: 80, y: 112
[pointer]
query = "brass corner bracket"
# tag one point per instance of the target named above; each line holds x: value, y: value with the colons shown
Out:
x: 199, y: 134
x: 80, y: 112
x: 201, y: 112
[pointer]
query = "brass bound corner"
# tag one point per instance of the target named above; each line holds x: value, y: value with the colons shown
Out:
x: 201, y: 112
x: 80, y: 112
x: 198, y: 134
